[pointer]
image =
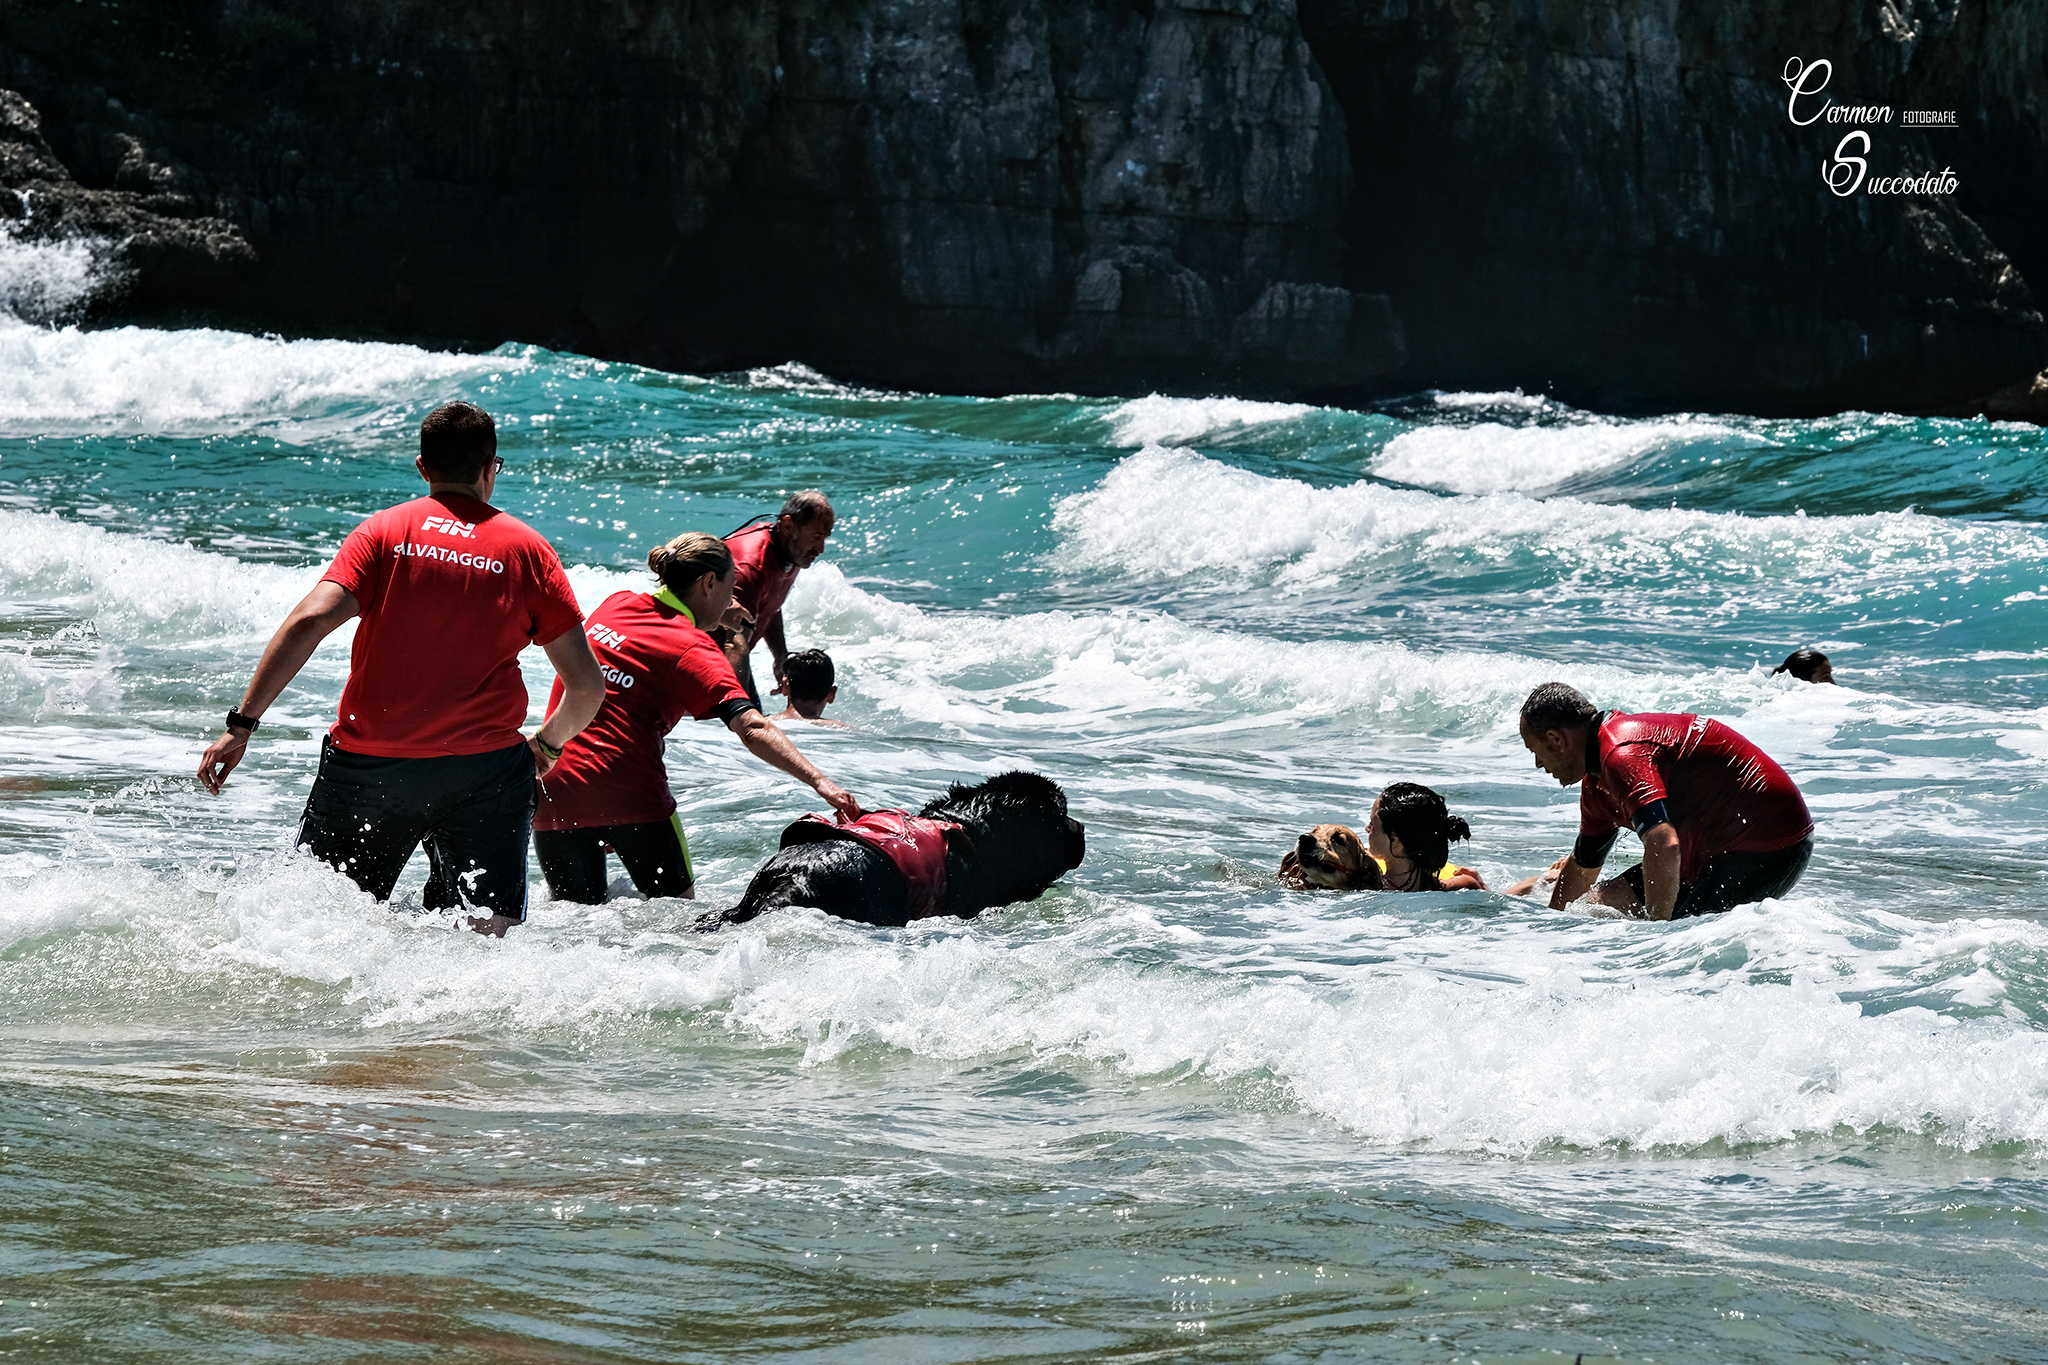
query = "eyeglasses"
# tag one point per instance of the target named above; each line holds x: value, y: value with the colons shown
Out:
x: 497, y: 463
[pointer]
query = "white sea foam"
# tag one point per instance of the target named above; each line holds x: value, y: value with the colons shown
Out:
x: 1158, y: 420
x: 136, y: 379
x: 1510, y: 398
x: 45, y: 281
x: 1169, y: 513
x: 40, y: 687
x: 1124, y: 681
x: 133, y: 587
x: 1491, y: 458
x: 1074, y: 680
x: 1452, y: 1038
x: 1045, y: 670
x: 1505, y: 1034
x: 1101, y: 674
x: 796, y: 377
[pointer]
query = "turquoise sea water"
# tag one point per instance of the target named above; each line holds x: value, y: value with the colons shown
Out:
x: 1169, y: 1111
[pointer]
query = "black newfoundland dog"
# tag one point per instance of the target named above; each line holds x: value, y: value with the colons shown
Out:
x: 1005, y: 840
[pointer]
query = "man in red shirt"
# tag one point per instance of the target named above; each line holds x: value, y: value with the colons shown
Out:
x: 769, y: 557
x: 1721, y: 824
x: 427, y: 745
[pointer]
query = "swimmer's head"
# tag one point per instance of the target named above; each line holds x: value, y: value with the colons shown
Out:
x: 457, y: 442
x: 1554, y: 722
x: 811, y: 676
x: 1411, y: 821
x: 698, y: 569
x: 1807, y: 665
x: 802, y: 525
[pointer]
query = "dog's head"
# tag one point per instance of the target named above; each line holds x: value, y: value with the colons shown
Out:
x: 1021, y: 831
x: 1330, y: 858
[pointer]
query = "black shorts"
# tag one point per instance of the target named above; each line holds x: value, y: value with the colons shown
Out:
x: 1732, y: 879
x: 656, y: 855
x: 474, y: 812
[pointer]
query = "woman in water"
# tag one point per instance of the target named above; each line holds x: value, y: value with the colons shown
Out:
x: 609, y: 789
x: 1409, y: 836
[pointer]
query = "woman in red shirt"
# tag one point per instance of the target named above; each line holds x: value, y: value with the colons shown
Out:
x: 610, y: 789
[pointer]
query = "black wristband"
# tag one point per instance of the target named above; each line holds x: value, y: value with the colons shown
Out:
x: 238, y: 721
x: 1590, y: 850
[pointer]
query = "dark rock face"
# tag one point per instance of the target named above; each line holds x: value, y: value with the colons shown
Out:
x: 1340, y: 197
x: 147, y: 238
x: 1611, y: 198
x: 998, y: 196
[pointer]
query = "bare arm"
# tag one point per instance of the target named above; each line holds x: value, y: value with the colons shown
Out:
x: 1529, y: 884
x: 1572, y: 882
x: 778, y: 652
x: 1465, y: 879
x: 734, y: 633
x: 1660, y: 871
x: 765, y: 741
x: 582, y: 695
x: 317, y: 616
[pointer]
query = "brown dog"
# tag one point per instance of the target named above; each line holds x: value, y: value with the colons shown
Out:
x: 1330, y: 858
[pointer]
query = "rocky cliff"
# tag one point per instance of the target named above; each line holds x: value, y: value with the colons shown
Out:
x: 152, y: 243
x: 1339, y: 198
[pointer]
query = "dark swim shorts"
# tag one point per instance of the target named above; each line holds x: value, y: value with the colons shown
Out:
x: 656, y: 855
x: 1732, y: 879
x: 474, y: 812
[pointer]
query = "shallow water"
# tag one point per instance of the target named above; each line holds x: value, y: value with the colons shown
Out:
x: 1167, y: 1111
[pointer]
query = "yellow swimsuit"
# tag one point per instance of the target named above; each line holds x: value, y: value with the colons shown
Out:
x: 1443, y: 874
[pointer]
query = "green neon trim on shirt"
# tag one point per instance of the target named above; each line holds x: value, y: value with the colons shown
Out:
x: 666, y: 596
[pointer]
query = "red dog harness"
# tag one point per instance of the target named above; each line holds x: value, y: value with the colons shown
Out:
x: 915, y: 845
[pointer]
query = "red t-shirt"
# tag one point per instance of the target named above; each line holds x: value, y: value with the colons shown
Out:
x: 1722, y: 793
x: 451, y: 590
x: 765, y: 577
x: 658, y: 668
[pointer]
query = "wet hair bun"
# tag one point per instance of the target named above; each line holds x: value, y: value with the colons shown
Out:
x: 1455, y: 828
x: 680, y: 562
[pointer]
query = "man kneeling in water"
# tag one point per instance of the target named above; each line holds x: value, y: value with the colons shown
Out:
x: 1721, y: 824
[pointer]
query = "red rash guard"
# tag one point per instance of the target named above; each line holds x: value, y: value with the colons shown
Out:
x: 1721, y: 793
x: 765, y: 577
x: 658, y: 668
x: 451, y: 590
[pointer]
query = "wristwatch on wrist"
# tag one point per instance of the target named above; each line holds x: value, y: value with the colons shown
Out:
x: 238, y: 721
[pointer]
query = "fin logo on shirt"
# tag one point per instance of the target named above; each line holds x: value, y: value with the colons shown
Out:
x: 606, y: 636
x: 449, y: 526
